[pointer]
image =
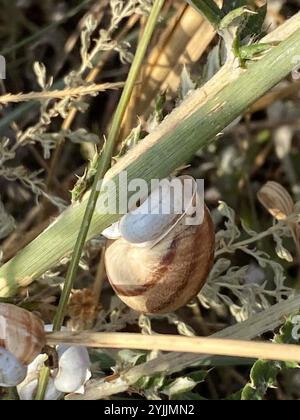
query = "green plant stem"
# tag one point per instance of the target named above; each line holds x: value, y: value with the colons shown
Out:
x: 104, y: 161
x: 209, y: 10
x: 103, y: 165
x: 42, y: 384
x: 191, y: 126
x: 231, y: 248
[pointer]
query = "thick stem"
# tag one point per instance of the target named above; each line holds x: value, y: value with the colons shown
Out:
x: 103, y: 165
x: 104, y: 162
x: 191, y: 126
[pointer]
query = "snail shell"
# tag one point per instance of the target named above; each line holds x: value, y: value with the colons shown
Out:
x: 27, y: 388
x: 157, y: 214
x: 27, y: 391
x: 147, y: 222
x: 73, y: 373
x: 167, y: 275
x: 12, y: 372
x: 21, y: 333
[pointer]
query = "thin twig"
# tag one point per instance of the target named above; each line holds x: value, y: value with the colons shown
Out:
x: 100, y: 276
x: 59, y: 94
x: 105, y: 161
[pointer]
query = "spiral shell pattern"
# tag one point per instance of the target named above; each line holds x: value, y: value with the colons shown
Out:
x: 166, y: 276
x: 21, y: 333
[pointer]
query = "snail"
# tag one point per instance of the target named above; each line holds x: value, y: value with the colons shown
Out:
x: 28, y: 387
x: 74, y: 369
x: 22, y: 338
x: 158, y: 262
x: 12, y: 372
x: 70, y: 376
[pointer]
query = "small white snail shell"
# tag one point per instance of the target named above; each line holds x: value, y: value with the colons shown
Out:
x: 22, y: 338
x: 165, y: 271
x: 70, y: 377
x: 73, y: 372
x: 27, y: 389
x: 147, y: 222
x: 12, y: 372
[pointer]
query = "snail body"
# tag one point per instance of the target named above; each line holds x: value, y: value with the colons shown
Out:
x: 163, y: 274
x: 22, y: 338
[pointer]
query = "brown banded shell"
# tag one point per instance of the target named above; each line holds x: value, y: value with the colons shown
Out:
x: 21, y: 333
x: 166, y: 276
x: 276, y: 199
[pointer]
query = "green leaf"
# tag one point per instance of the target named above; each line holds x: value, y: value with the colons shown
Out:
x: 131, y: 358
x: 235, y: 397
x: 248, y: 52
x: 184, y: 384
x: 236, y: 16
x: 263, y: 376
x: 264, y: 373
x: 154, y: 383
x: 250, y: 393
x: 285, y: 335
x: 255, y: 23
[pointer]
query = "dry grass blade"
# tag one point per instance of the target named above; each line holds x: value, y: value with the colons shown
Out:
x: 258, y: 324
x: 199, y: 345
x: 59, y: 94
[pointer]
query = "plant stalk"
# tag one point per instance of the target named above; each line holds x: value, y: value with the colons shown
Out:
x: 104, y: 162
x: 42, y: 383
x: 171, y: 343
x: 204, y: 114
x: 173, y: 362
